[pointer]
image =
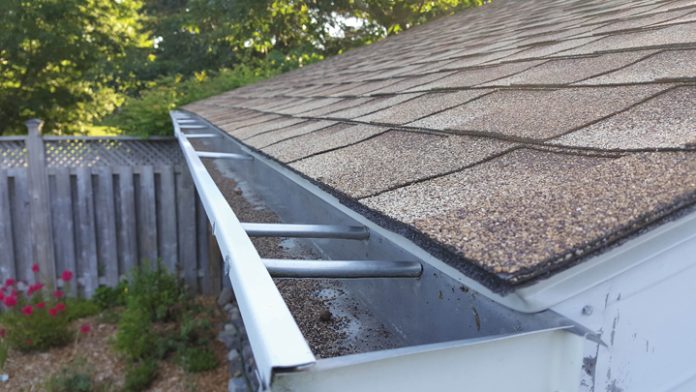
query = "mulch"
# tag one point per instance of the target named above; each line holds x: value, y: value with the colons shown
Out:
x: 29, y: 371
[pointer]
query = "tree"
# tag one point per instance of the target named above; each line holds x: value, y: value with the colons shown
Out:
x: 196, y: 35
x: 66, y: 61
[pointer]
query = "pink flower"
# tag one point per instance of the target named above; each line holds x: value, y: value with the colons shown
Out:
x: 28, y: 310
x: 58, y: 294
x: 66, y: 276
x: 9, y: 282
x: 2, y: 295
x: 10, y: 301
x: 34, y: 288
x: 41, y: 305
x: 60, y: 307
x: 35, y: 268
x: 2, y: 332
x: 53, y: 312
x: 85, y: 328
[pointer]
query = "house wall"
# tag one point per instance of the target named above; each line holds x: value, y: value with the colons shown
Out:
x: 646, y: 316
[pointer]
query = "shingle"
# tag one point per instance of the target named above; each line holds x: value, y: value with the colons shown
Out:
x: 267, y: 138
x: 666, y: 36
x: 477, y: 59
x: 643, y: 21
x: 323, y: 140
x: 541, y: 51
x: 368, y: 87
x: 315, y: 103
x: 422, y: 106
x: 395, y: 158
x: 664, y: 121
x: 516, y: 214
x: 231, y: 124
x: 371, y: 106
x: 538, y: 114
x: 672, y: 64
x: 475, y: 76
x: 410, y: 83
x: 519, y: 221
x: 268, y: 126
x: 570, y: 70
x: 343, y: 104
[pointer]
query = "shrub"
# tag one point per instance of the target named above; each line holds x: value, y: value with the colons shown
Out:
x: 197, y: 359
x: 140, y: 376
x: 157, y: 292
x: 148, y: 113
x: 78, y: 308
x: 33, y: 320
x: 110, y: 297
x: 76, y: 377
x: 134, y: 337
x: 195, y: 330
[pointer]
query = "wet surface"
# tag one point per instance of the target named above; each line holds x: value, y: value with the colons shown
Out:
x: 333, y: 322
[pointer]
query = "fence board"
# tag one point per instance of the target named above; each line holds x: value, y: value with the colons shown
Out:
x: 127, y: 235
x: 63, y: 224
x: 187, y: 229
x: 7, y: 255
x: 166, y: 210
x: 214, y: 263
x: 86, y: 233
x: 106, y: 225
x: 147, y: 215
x: 20, y: 220
x: 203, y: 253
x: 109, y: 209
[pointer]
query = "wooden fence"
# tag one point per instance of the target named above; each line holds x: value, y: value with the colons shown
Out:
x: 99, y: 206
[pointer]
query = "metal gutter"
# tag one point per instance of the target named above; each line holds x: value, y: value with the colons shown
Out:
x: 273, y: 334
x: 534, y: 298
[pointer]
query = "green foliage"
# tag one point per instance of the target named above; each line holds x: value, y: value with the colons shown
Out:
x: 4, y: 351
x: 78, y: 308
x: 148, y: 113
x: 195, y: 330
x: 156, y: 292
x: 75, y: 62
x: 140, y: 376
x: 75, y: 377
x: 65, y: 60
x: 134, y: 337
x: 160, y: 319
x: 35, y: 324
x: 110, y: 297
x: 197, y: 359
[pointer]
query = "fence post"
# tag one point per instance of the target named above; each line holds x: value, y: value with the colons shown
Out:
x: 40, y: 204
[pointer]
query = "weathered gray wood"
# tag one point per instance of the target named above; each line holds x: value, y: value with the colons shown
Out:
x: 166, y: 222
x: 203, y: 243
x: 127, y: 233
x: 86, y: 233
x: 186, y: 203
x: 7, y: 255
x: 22, y: 231
x: 106, y: 226
x: 63, y: 224
x: 214, y: 264
x: 103, y: 221
x: 147, y: 216
x: 40, y: 204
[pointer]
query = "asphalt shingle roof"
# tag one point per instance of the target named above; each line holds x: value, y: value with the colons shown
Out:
x: 512, y: 140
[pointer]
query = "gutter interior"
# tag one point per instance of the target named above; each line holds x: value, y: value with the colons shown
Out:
x: 350, y: 316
